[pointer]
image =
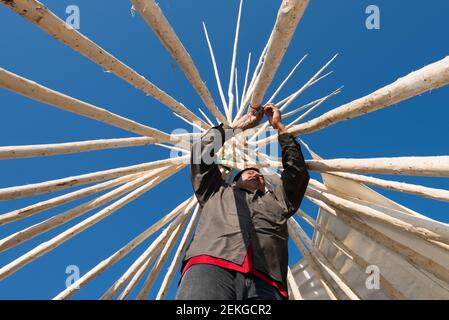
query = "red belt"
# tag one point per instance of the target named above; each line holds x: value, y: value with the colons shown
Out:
x: 246, y: 267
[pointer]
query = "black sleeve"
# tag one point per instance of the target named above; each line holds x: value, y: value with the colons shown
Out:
x: 295, y: 176
x: 204, y: 171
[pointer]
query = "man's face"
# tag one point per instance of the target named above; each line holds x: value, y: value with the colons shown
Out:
x: 251, y: 180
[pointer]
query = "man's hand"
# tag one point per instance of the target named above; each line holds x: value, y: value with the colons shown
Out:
x: 274, y: 117
x: 250, y: 120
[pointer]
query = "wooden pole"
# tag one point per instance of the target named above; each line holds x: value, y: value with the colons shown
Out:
x: 418, y: 190
x: 168, y: 245
x: 313, y: 108
x: 295, y: 94
x: 154, y: 17
x: 327, y: 282
x: 49, y: 245
x: 237, y: 97
x: 122, y: 252
x: 233, y: 72
x: 42, y: 17
x: 151, y: 277
x: 340, y: 246
x: 73, y: 181
x: 28, y: 233
x: 206, y: 117
x: 437, y: 166
x: 155, y: 250
x: 296, y: 228
x: 410, y: 255
x: 64, y: 199
x: 431, y: 77
x: 424, y: 228
x: 428, y: 78
x: 314, y: 79
x: 38, y: 150
x: 35, y: 91
x: 217, y: 75
x: 247, y: 97
x: 248, y: 65
x: 188, y: 136
x: 178, y: 256
x: 293, y: 286
x: 148, y: 255
x: 414, y: 166
x: 146, y: 258
x: 193, y: 124
x: 289, y: 15
x: 286, y: 79
x: 295, y: 111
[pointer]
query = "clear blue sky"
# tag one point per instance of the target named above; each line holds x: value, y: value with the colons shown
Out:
x: 412, y: 35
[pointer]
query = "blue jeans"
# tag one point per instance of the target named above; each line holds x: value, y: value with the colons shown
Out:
x: 209, y: 282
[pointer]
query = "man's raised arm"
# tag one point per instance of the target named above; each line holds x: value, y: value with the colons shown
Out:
x: 204, y: 171
x: 295, y: 176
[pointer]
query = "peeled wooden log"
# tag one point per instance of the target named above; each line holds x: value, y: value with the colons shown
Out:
x: 322, y: 260
x: 49, y: 245
x: 206, y: 117
x: 64, y: 183
x: 42, y: 17
x: 148, y: 255
x: 105, y: 264
x: 414, y: 166
x: 249, y: 92
x: 313, y: 108
x: 286, y: 79
x: 233, y: 69
x: 38, y: 150
x: 151, y: 277
x: 168, y: 245
x: 424, y: 228
x: 178, y: 256
x: 314, y: 79
x: 430, y: 77
x: 66, y: 198
x: 286, y: 102
x: 410, y: 255
x: 245, y: 86
x: 418, y: 190
x: 337, y: 243
x: 154, y: 17
x: 289, y: 15
x: 237, y: 97
x: 35, y: 91
x: 217, y: 75
x: 329, y: 285
x: 294, y: 290
x: 28, y: 233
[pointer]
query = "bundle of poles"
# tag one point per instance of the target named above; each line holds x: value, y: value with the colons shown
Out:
x: 125, y: 184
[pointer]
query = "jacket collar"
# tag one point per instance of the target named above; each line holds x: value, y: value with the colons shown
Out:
x: 257, y: 192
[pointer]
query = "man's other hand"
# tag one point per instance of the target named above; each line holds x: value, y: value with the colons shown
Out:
x: 250, y: 120
x: 274, y: 117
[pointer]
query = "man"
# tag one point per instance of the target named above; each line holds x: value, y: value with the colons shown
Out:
x: 240, y: 247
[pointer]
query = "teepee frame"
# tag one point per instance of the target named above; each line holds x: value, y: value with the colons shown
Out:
x: 366, y: 213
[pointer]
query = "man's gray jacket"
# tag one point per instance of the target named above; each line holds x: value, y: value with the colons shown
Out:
x: 233, y: 218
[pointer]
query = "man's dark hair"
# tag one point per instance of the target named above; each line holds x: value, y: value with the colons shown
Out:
x: 237, y: 176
